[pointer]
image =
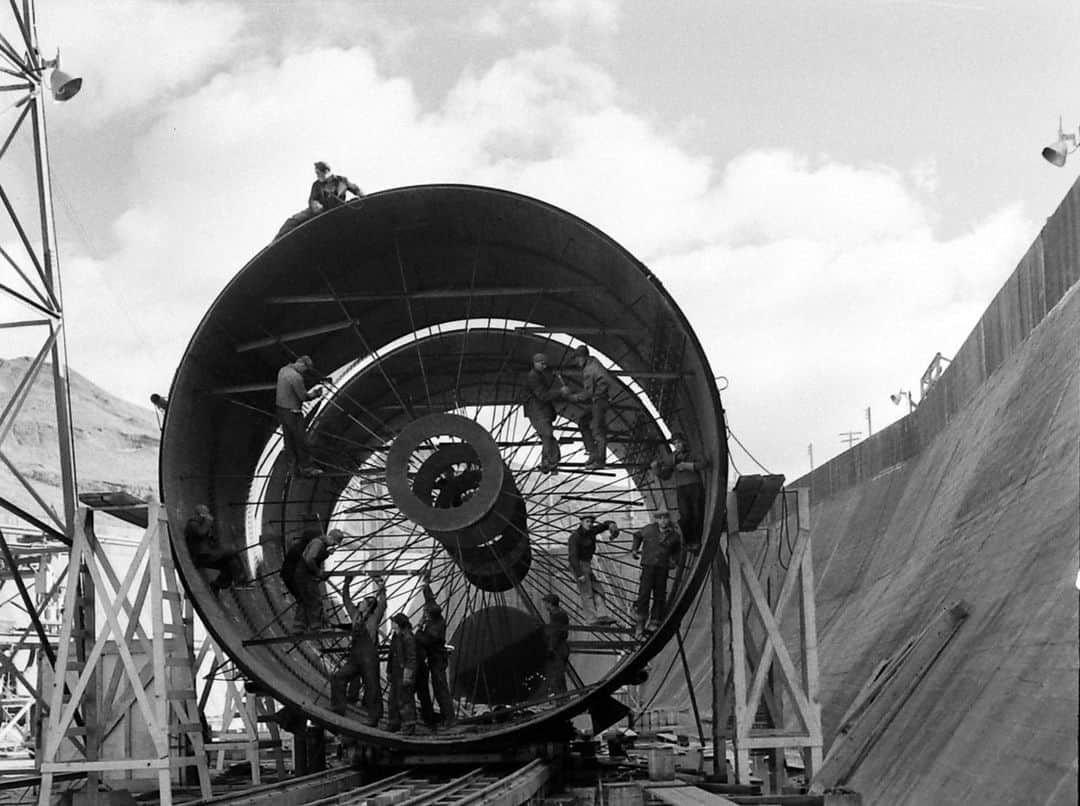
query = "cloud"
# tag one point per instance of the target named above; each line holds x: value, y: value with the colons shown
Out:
x: 567, y: 14
x: 134, y: 52
x: 529, y: 17
x: 817, y: 286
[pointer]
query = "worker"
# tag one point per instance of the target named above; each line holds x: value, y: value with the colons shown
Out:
x: 401, y: 672
x: 328, y: 190
x: 659, y: 546
x: 543, y: 387
x: 361, y: 668
x: 595, y: 394
x: 295, y: 552
x: 556, y: 640
x: 432, y: 661
x: 581, y: 548
x: 306, y: 578
x: 208, y: 552
x: 289, y: 400
x: 689, y: 488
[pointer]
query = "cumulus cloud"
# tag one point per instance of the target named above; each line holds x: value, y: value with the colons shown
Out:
x: 133, y: 52
x: 602, y: 14
x: 817, y: 286
x: 562, y: 17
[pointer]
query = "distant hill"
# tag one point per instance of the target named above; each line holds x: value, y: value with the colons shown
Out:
x: 116, y: 442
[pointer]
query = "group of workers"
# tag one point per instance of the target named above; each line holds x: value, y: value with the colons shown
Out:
x: 416, y: 667
x: 658, y: 546
x: 545, y: 387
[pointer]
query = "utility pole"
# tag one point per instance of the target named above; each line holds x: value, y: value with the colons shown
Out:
x: 810, y: 450
x: 850, y: 437
x: 869, y: 426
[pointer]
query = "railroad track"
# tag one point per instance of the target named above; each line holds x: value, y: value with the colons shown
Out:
x: 481, y: 786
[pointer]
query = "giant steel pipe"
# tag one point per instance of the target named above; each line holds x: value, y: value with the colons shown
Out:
x: 421, y: 307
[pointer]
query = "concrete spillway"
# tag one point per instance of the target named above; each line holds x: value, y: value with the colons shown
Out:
x: 973, y: 497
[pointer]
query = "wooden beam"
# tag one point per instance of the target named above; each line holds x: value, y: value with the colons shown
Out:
x: 743, y: 720
x: 855, y: 738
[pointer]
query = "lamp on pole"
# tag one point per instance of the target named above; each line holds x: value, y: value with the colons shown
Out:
x: 1059, y: 150
x: 899, y: 396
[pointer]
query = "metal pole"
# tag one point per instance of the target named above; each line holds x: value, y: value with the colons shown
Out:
x: 61, y: 393
x: 690, y: 687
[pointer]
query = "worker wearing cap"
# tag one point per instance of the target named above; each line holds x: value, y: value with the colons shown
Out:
x: 401, y: 668
x: 328, y: 190
x: 208, y: 552
x: 659, y: 546
x: 432, y: 661
x: 581, y: 548
x: 543, y: 387
x: 362, y: 665
x: 306, y: 580
x: 595, y: 394
x: 289, y: 399
x: 684, y: 469
x: 556, y: 638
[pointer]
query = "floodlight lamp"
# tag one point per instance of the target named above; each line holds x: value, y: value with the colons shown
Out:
x: 902, y: 395
x: 1057, y: 152
x: 63, y: 85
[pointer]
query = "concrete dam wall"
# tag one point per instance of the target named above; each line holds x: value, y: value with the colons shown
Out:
x: 974, y: 497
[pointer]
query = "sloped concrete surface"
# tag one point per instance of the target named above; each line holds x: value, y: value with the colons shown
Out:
x: 973, y: 497
x: 988, y: 513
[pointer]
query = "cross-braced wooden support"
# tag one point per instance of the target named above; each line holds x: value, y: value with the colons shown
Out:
x: 748, y: 671
x: 251, y: 707
x: 153, y: 678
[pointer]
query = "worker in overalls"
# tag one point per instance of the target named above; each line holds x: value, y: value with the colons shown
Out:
x: 402, y: 675
x: 659, y: 546
x: 684, y: 468
x: 432, y: 661
x: 307, y: 580
x: 361, y: 668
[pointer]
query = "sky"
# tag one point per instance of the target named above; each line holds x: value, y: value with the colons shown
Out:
x: 832, y: 191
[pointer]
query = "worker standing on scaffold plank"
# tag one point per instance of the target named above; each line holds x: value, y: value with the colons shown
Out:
x: 306, y: 580
x: 289, y: 400
x: 432, y: 661
x: 659, y: 546
x: 596, y: 390
x: 402, y: 673
x: 686, y: 469
x: 362, y: 665
x: 556, y: 637
x: 581, y: 548
x: 543, y: 388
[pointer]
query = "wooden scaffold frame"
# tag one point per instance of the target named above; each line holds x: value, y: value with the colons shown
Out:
x: 747, y: 672
x: 162, y: 690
